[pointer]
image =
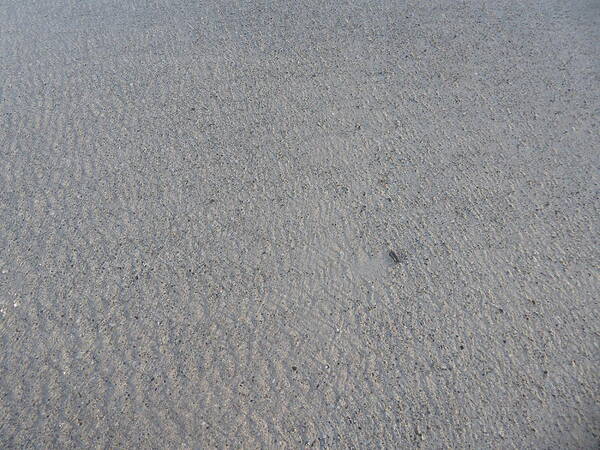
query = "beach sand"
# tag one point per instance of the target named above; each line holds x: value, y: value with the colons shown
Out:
x: 198, y: 201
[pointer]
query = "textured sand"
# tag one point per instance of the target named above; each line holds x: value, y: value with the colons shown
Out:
x: 198, y: 201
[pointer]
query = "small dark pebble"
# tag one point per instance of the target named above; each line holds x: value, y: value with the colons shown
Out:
x: 294, y: 368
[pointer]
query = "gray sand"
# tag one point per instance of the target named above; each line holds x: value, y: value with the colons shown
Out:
x: 199, y: 200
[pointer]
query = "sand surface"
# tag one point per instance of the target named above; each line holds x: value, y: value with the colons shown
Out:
x: 198, y: 200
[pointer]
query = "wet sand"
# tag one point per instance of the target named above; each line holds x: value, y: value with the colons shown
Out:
x: 311, y: 223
